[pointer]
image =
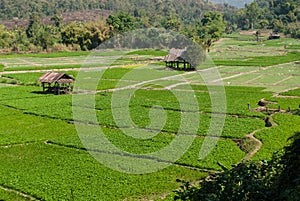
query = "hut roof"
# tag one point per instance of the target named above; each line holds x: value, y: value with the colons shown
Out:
x: 52, y: 77
x: 175, y: 54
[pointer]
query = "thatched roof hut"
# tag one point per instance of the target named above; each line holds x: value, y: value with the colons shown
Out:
x: 176, y: 59
x: 56, y: 83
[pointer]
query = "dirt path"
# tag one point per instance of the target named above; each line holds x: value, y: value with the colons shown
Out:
x: 277, y: 95
x: 21, y: 194
x: 259, y: 143
x: 29, y: 62
x: 285, y: 79
x: 220, y: 41
x: 145, y: 82
x: 258, y: 146
x: 253, y: 71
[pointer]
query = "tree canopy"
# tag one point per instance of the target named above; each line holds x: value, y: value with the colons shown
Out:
x: 201, y: 21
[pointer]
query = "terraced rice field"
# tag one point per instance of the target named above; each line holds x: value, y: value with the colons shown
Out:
x: 45, y: 157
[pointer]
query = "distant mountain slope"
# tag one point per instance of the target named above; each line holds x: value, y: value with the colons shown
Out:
x: 185, y: 9
x: 67, y: 17
x: 236, y: 3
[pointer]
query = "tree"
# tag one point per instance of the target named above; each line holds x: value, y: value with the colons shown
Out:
x: 5, y: 37
x: 33, y: 27
x: 121, y: 22
x: 93, y: 35
x: 44, y: 38
x: 38, y: 33
x: 71, y: 33
x: 87, y: 35
x: 173, y: 24
x: 57, y: 20
x: 210, y: 30
x: 252, y: 14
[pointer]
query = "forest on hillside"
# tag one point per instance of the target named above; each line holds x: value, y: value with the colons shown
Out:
x: 188, y: 9
x: 45, y: 27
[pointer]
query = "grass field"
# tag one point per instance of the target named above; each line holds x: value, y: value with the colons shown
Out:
x: 43, y: 157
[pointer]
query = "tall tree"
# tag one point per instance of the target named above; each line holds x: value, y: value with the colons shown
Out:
x: 121, y: 22
x: 33, y: 27
x: 252, y: 13
x: 210, y: 29
x: 56, y: 20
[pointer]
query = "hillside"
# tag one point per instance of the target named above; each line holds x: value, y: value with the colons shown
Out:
x: 188, y: 9
x: 67, y: 17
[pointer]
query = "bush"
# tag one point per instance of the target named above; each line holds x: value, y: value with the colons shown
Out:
x: 276, y: 180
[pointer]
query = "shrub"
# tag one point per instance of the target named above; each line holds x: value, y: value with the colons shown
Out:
x: 277, y: 179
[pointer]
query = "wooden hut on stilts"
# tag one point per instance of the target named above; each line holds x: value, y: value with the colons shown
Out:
x: 175, y: 60
x: 56, y: 83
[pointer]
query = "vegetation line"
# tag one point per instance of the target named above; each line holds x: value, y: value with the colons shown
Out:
x: 164, y: 132
x: 16, y: 71
x: 22, y: 194
x: 130, y: 155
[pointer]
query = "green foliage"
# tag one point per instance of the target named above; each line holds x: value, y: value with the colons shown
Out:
x: 225, y: 152
x: 294, y: 92
x: 1, y: 67
x: 261, y: 60
x: 277, y: 179
x: 149, y: 52
x: 129, y: 15
x: 27, y: 78
x: 38, y: 33
x: 51, y: 172
x: 57, y: 20
x: 6, y: 37
x: 276, y: 138
x: 43, y: 67
x: 279, y: 15
x: 209, y: 29
x: 150, y: 12
x: 287, y: 185
x: 48, y: 55
x: 121, y: 22
x: 87, y: 35
x: 246, y: 181
x: 46, y: 169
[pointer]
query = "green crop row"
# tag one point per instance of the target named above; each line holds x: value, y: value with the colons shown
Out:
x: 294, y: 92
x: 149, y: 52
x: 17, y: 127
x: 225, y: 152
x: 261, y: 60
x: 48, y: 55
x: 275, y: 138
x: 36, y: 129
x: 25, y: 78
x: 1, y: 67
x: 55, y: 173
x: 60, y: 107
x: 42, y: 67
x: 285, y: 103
